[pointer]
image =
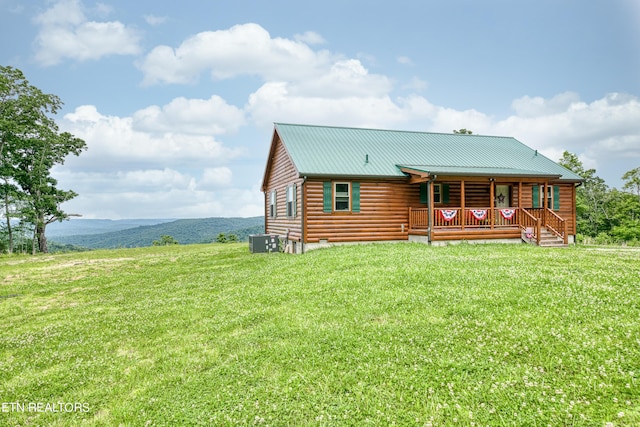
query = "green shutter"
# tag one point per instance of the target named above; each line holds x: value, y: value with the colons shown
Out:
x: 295, y: 199
x: 445, y: 193
x: 327, y: 198
x: 556, y: 198
x: 355, y: 197
x: 423, y: 192
x: 275, y: 203
x: 535, y: 199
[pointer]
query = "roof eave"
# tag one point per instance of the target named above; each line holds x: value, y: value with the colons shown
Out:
x: 334, y: 176
x: 272, y: 149
x: 425, y: 172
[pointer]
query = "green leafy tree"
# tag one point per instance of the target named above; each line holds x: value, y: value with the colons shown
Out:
x: 8, y: 203
x: 626, y: 208
x: 632, y: 181
x: 165, y: 240
x: 232, y: 238
x: 593, y: 204
x: 222, y: 238
x: 30, y: 145
x: 463, y: 131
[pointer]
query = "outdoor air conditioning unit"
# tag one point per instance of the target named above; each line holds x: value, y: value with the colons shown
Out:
x: 261, y: 243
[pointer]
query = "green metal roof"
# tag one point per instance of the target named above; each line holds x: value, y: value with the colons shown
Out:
x: 336, y: 151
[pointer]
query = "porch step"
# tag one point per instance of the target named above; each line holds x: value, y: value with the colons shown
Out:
x: 548, y: 239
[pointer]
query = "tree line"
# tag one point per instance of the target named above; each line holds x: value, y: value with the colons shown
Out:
x: 31, y: 144
x: 605, y: 215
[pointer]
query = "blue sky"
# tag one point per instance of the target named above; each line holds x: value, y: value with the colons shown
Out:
x: 176, y: 100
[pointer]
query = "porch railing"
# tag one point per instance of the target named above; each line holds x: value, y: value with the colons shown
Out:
x: 528, y: 219
x: 465, y: 218
x: 418, y: 218
x: 531, y: 225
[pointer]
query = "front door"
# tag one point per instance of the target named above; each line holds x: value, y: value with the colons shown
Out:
x: 503, y: 196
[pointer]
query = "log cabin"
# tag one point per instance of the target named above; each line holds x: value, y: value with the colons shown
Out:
x: 328, y: 185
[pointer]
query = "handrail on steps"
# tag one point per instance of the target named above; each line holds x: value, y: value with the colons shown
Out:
x: 528, y: 221
x: 557, y: 225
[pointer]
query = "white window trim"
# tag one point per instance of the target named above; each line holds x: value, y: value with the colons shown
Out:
x: 546, y: 201
x: 291, y: 198
x: 335, y: 196
x: 273, y: 211
x: 437, y: 195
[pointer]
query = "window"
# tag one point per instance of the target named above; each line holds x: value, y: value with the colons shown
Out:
x: 440, y: 193
x: 552, y: 197
x: 291, y: 200
x: 551, y: 192
x: 272, y: 204
x: 341, y: 199
x: 437, y: 193
x: 549, y: 195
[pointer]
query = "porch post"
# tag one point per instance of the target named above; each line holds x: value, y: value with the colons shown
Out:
x: 520, y: 202
x: 492, y: 192
x: 462, y: 204
x: 520, y: 194
x: 544, y: 204
x: 410, y: 222
x: 431, y: 211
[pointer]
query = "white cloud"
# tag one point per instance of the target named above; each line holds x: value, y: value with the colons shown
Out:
x: 538, y: 106
x: 215, y: 177
x: 65, y: 32
x: 241, y: 50
x: 103, y: 9
x: 404, y: 60
x: 156, y: 179
x: 250, y: 50
x: 154, y: 194
x: 211, y: 116
x: 344, y: 78
x: 274, y: 102
x: 113, y: 141
x: 578, y: 125
x: 416, y: 84
x: 310, y: 37
x: 155, y: 20
x: 167, y: 167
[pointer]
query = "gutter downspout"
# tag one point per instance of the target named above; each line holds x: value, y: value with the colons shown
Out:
x: 302, y: 202
x: 429, y: 219
x: 266, y: 211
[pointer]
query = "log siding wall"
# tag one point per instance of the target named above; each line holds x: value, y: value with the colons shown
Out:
x: 384, y: 212
x: 281, y: 175
x: 567, y: 206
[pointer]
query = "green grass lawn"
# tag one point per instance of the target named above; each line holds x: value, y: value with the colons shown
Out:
x: 395, y: 334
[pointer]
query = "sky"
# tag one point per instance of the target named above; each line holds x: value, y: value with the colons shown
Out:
x: 176, y: 100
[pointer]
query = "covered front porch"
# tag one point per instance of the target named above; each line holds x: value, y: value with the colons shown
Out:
x: 480, y: 223
x: 482, y: 208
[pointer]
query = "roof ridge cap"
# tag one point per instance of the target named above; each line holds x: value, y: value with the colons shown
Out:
x: 394, y: 130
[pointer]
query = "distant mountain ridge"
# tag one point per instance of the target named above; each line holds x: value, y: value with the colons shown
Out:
x: 79, y: 226
x: 185, y: 231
